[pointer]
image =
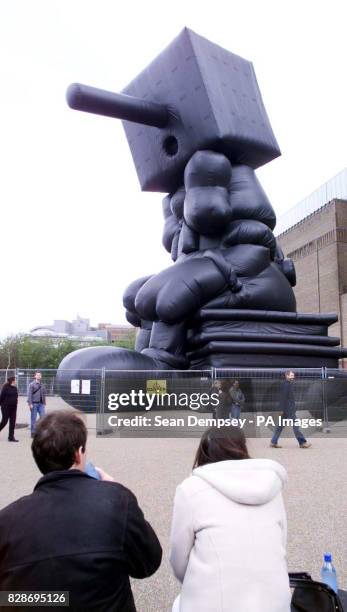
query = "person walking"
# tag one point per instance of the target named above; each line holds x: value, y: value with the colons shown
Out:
x: 228, y: 534
x: 287, y: 406
x: 36, y: 400
x: 75, y: 533
x: 237, y: 399
x: 8, y: 403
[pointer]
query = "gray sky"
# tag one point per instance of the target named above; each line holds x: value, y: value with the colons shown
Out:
x: 75, y: 227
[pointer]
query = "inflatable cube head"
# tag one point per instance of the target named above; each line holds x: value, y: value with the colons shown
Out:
x: 195, y: 95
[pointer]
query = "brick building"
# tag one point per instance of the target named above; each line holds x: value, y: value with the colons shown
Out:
x: 314, y: 235
x: 119, y: 332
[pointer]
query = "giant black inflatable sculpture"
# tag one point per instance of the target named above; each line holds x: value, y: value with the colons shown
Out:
x: 197, y: 128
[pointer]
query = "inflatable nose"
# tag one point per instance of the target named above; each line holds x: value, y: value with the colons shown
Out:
x: 119, y: 106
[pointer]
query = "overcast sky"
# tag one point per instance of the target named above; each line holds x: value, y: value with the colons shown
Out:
x: 75, y: 227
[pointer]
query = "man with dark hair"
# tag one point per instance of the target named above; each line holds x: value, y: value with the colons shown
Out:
x: 36, y: 400
x: 287, y: 406
x: 75, y: 533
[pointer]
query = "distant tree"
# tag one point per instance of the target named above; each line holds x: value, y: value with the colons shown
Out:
x: 128, y: 342
x: 23, y: 351
x: 9, y: 350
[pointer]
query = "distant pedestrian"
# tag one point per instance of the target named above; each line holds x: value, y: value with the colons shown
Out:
x: 8, y: 403
x: 224, y: 407
x: 237, y: 400
x: 215, y: 391
x: 36, y: 400
x: 287, y: 406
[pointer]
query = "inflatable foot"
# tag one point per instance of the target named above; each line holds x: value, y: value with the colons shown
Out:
x: 79, y: 374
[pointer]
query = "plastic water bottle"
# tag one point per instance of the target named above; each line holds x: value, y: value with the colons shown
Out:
x: 328, y: 572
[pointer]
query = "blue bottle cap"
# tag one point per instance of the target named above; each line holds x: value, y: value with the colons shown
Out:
x: 327, y: 557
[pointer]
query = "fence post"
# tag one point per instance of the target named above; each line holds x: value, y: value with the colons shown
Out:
x: 102, y: 403
x: 326, y: 427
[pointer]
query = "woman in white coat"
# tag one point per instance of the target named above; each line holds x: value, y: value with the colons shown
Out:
x: 228, y: 536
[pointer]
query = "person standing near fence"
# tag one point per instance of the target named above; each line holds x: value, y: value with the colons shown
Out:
x: 287, y: 406
x: 237, y: 400
x: 215, y: 391
x: 224, y: 407
x: 8, y: 403
x: 36, y: 400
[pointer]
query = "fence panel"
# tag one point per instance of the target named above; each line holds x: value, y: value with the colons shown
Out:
x: 145, y: 393
x: 320, y: 393
x: 335, y: 396
x: 262, y: 389
x: 5, y: 374
x: 64, y: 388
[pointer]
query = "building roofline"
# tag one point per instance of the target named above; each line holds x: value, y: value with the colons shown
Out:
x: 333, y: 189
x: 312, y: 214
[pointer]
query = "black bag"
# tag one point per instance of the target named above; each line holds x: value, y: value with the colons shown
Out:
x: 312, y: 596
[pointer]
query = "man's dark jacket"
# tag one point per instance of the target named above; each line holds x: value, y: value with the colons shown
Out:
x: 287, y: 399
x: 77, y: 534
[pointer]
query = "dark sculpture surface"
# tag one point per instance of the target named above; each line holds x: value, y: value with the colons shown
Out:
x: 197, y: 128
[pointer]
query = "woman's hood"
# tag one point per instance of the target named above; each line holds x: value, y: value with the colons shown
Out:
x: 245, y: 481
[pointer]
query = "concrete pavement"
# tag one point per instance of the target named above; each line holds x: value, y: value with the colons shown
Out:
x: 315, y: 496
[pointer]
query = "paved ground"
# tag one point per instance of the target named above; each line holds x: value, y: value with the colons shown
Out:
x: 316, y: 494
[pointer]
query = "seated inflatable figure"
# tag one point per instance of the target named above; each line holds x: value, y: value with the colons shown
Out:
x: 218, y: 230
x: 197, y: 128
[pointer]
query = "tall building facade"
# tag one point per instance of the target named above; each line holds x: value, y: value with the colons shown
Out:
x: 317, y: 243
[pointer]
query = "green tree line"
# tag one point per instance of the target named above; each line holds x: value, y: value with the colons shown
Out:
x: 22, y: 351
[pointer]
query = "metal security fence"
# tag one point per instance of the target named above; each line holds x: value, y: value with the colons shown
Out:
x: 81, y: 389
x: 320, y: 393
x: 84, y: 389
x: 167, y: 386
x: 137, y: 393
x: 262, y: 388
x: 334, y: 392
x: 24, y: 378
x: 262, y: 393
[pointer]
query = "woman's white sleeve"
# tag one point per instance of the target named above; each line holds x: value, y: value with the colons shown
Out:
x: 182, y: 534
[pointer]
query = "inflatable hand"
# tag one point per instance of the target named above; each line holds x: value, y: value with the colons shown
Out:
x: 206, y: 206
x: 219, y: 205
x: 178, y: 291
x: 268, y: 290
x: 172, y: 228
x: 248, y: 199
x: 249, y: 232
x: 129, y: 296
x: 178, y: 237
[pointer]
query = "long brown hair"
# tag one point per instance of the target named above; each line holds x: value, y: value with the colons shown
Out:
x: 221, y: 444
